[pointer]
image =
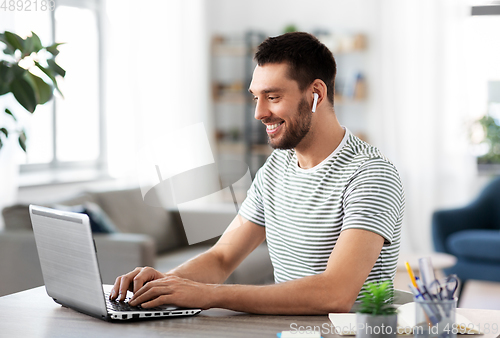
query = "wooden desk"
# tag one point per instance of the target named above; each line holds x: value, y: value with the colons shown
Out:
x: 32, y: 313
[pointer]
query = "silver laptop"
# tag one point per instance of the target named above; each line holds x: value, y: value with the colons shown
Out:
x: 71, y: 272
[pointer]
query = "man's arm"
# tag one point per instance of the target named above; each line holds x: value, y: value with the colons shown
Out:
x: 334, y: 290
x: 216, y: 264
x: 213, y: 266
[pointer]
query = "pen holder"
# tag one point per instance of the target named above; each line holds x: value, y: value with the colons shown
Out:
x: 435, y: 318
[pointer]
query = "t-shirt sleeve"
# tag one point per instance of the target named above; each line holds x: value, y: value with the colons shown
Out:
x: 252, y: 207
x: 374, y: 199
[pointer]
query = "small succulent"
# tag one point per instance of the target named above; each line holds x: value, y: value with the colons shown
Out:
x: 377, y: 299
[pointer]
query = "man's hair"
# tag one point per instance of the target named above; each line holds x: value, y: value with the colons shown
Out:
x: 307, y: 57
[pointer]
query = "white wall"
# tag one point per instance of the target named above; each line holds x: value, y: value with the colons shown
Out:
x: 142, y: 96
x: 417, y: 68
x: 273, y: 15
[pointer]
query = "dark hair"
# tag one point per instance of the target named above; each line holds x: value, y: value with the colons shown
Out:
x: 307, y: 57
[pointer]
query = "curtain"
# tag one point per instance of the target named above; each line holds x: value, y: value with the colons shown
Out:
x: 421, y: 118
x: 157, y: 75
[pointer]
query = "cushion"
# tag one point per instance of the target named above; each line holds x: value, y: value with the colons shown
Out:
x: 131, y: 214
x: 17, y: 217
x: 476, y: 244
x: 99, y: 221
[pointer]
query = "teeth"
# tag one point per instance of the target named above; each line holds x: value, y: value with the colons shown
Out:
x: 273, y: 126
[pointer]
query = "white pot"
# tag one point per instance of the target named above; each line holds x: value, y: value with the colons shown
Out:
x: 376, y: 326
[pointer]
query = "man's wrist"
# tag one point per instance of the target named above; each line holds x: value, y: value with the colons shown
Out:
x: 172, y: 272
x: 215, y: 295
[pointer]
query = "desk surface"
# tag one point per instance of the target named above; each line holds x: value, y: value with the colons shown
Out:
x: 32, y: 313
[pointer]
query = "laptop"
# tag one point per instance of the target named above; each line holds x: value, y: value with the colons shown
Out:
x: 68, y: 259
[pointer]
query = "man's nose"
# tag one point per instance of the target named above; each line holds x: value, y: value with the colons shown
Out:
x: 261, y: 110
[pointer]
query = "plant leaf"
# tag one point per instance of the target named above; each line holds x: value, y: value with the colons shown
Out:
x: 56, y: 68
x: 7, y: 43
x: 24, y: 94
x: 37, y: 44
x: 32, y: 44
x: 8, y: 51
x: 5, y: 131
x: 17, y: 71
x: 27, y: 46
x: 6, y: 76
x: 22, y: 140
x: 15, y: 40
x: 8, y: 112
x: 52, y: 49
x: 49, y: 73
x: 376, y: 299
x: 43, y: 91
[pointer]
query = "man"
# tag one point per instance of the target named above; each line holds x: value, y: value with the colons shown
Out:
x: 329, y: 204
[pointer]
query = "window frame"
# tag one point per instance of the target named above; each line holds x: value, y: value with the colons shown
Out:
x: 99, y: 165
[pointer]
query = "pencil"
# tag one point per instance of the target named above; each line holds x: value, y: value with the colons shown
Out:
x: 412, y: 276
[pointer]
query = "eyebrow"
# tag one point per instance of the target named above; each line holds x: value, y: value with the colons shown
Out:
x: 269, y: 90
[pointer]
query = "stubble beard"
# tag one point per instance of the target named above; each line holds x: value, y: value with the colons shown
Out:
x: 296, y: 129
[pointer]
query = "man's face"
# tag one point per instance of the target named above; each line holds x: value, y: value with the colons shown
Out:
x: 280, y: 105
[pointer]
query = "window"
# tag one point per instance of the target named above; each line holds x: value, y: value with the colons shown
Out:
x: 68, y: 133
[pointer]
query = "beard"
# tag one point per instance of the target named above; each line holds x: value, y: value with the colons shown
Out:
x: 295, y: 129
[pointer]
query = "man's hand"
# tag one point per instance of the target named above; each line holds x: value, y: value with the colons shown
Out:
x: 133, y: 281
x: 209, y: 268
x: 174, y: 290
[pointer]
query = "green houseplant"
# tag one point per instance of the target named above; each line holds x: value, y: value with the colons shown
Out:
x: 22, y: 59
x: 377, y: 317
x: 491, y: 128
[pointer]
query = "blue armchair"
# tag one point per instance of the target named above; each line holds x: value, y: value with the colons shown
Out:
x: 472, y: 234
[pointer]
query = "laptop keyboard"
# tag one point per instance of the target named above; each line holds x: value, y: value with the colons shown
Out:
x: 115, y: 305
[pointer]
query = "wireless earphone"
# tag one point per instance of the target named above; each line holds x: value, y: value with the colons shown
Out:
x: 315, y: 102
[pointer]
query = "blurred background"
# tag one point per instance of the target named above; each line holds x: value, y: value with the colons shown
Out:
x: 418, y: 79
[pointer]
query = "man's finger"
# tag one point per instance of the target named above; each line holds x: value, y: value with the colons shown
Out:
x: 144, y: 276
x: 150, y: 291
x: 162, y: 300
x: 114, y: 290
x: 140, y: 293
x: 126, y: 283
x: 140, y: 280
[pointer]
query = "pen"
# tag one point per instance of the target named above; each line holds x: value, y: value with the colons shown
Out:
x: 427, y: 296
x: 428, y: 311
x: 426, y: 271
x: 412, y: 276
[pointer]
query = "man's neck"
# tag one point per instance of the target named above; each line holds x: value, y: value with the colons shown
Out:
x: 324, y: 137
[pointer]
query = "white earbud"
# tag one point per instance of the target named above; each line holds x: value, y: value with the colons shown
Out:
x: 315, y: 102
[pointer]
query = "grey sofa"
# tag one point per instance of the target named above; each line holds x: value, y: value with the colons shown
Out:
x: 147, y: 236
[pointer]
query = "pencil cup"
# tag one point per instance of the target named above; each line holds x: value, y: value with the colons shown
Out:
x: 435, y: 318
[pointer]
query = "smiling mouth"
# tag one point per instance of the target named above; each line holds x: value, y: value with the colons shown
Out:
x: 273, y: 128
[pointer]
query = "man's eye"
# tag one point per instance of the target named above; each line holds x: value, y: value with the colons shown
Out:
x: 272, y: 98
x: 255, y: 98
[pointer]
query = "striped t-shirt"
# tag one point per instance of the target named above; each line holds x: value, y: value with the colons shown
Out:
x: 304, y: 210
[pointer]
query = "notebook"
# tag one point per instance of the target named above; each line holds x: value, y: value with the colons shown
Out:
x: 345, y: 323
x: 68, y: 259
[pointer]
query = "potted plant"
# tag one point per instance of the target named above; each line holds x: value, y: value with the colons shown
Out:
x: 28, y: 70
x: 22, y: 60
x: 377, y: 317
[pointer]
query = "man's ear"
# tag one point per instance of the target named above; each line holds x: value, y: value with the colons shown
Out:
x: 319, y: 89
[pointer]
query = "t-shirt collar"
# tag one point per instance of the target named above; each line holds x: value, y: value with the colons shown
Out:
x: 336, y: 151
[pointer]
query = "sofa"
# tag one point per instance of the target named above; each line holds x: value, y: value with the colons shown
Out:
x: 472, y: 234
x: 142, y: 236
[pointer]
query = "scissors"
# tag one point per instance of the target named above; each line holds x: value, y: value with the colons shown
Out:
x: 448, y: 287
